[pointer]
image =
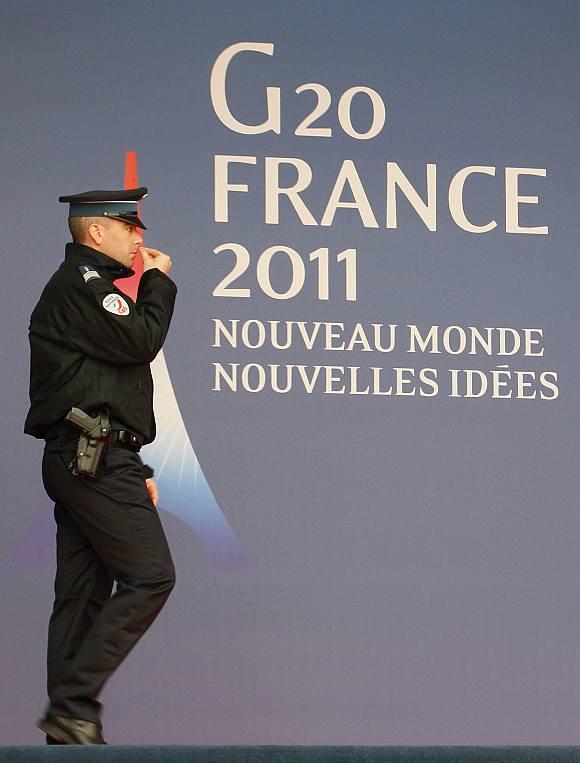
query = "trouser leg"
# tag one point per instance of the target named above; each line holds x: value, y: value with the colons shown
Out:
x: 118, y: 520
x: 82, y: 586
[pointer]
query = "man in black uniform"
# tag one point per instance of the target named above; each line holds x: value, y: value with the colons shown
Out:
x: 91, y: 347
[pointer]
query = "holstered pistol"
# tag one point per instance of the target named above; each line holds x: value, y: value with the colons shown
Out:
x: 91, y: 443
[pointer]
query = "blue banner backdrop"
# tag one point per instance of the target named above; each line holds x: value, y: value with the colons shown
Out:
x: 367, y: 406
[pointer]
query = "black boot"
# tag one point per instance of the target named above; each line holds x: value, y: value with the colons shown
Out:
x: 51, y: 740
x: 64, y: 730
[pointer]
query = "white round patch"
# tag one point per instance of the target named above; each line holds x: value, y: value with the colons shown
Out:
x: 115, y: 303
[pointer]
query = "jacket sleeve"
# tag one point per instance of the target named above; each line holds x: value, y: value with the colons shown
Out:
x: 128, y: 332
x: 148, y: 472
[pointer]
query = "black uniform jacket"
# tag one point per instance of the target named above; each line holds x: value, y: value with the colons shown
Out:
x: 85, y: 355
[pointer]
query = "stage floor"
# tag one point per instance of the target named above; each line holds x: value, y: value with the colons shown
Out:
x: 283, y: 754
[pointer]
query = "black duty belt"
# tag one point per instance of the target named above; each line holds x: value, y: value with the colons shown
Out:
x: 125, y: 437
x: 64, y: 435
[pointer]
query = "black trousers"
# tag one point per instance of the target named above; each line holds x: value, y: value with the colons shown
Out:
x: 108, y: 531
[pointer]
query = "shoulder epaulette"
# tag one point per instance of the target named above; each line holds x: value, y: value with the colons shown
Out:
x: 88, y: 273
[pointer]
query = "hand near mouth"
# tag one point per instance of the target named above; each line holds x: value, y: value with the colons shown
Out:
x: 153, y: 258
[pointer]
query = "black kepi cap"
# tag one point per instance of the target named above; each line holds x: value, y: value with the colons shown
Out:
x: 120, y: 205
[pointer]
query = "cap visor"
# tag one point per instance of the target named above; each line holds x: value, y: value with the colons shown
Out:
x: 133, y: 220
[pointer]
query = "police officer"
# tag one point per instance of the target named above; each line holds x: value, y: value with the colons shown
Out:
x: 91, y: 347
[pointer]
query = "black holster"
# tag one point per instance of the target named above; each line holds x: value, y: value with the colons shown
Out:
x: 91, y: 443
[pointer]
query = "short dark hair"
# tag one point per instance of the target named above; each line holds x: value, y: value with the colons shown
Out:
x: 78, y: 226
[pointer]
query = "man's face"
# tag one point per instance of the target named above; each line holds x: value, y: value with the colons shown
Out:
x: 121, y: 241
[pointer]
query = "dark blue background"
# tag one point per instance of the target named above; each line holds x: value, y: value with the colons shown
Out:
x: 415, y: 561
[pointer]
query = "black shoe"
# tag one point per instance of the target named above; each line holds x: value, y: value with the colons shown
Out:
x: 51, y: 740
x: 64, y: 730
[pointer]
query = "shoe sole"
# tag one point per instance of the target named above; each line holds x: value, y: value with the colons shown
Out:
x: 55, y: 732
x: 50, y: 740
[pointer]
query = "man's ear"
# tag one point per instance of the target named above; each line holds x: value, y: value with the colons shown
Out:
x: 95, y: 233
